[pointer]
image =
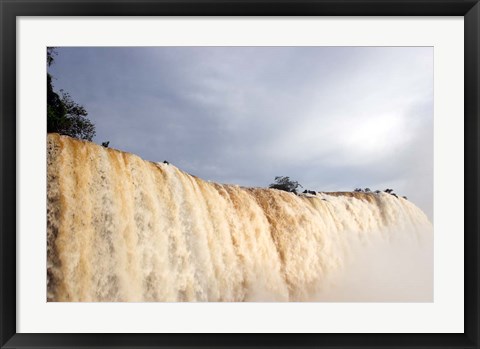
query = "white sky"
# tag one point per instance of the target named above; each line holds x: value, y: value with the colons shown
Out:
x: 332, y: 118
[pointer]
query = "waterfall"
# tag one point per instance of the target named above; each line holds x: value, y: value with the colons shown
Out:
x: 123, y: 229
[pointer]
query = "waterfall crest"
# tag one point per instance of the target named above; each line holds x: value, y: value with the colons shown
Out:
x: 123, y: 229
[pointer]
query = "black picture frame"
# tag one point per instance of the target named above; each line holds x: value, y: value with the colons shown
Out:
x: 9, y: 10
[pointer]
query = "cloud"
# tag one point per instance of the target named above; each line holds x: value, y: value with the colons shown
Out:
x: 330, y: 117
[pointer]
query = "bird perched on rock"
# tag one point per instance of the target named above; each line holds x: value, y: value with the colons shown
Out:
x: 166, y: 162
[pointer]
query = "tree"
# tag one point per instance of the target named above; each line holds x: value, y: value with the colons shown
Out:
x: 285, y: 184
x: 50, y: 52
x: 65, y: 116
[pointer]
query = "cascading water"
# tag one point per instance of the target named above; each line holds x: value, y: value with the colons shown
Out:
x: 124, y: 229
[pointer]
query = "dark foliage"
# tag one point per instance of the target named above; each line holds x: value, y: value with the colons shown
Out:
x: 50, y: 53
x: 64, y: 116
x: 368, y: 190
x: 285, y: 184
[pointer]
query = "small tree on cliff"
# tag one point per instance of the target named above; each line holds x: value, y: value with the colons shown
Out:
x: 285, y: 184
x: 64, y: 116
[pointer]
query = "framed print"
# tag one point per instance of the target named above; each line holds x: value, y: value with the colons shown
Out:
x: 239, y: 174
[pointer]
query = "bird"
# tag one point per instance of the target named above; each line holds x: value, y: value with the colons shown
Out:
x: 105, y: 144
x: 166, y: 162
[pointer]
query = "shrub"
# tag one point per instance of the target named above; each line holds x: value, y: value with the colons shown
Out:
x: 286, y: 184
